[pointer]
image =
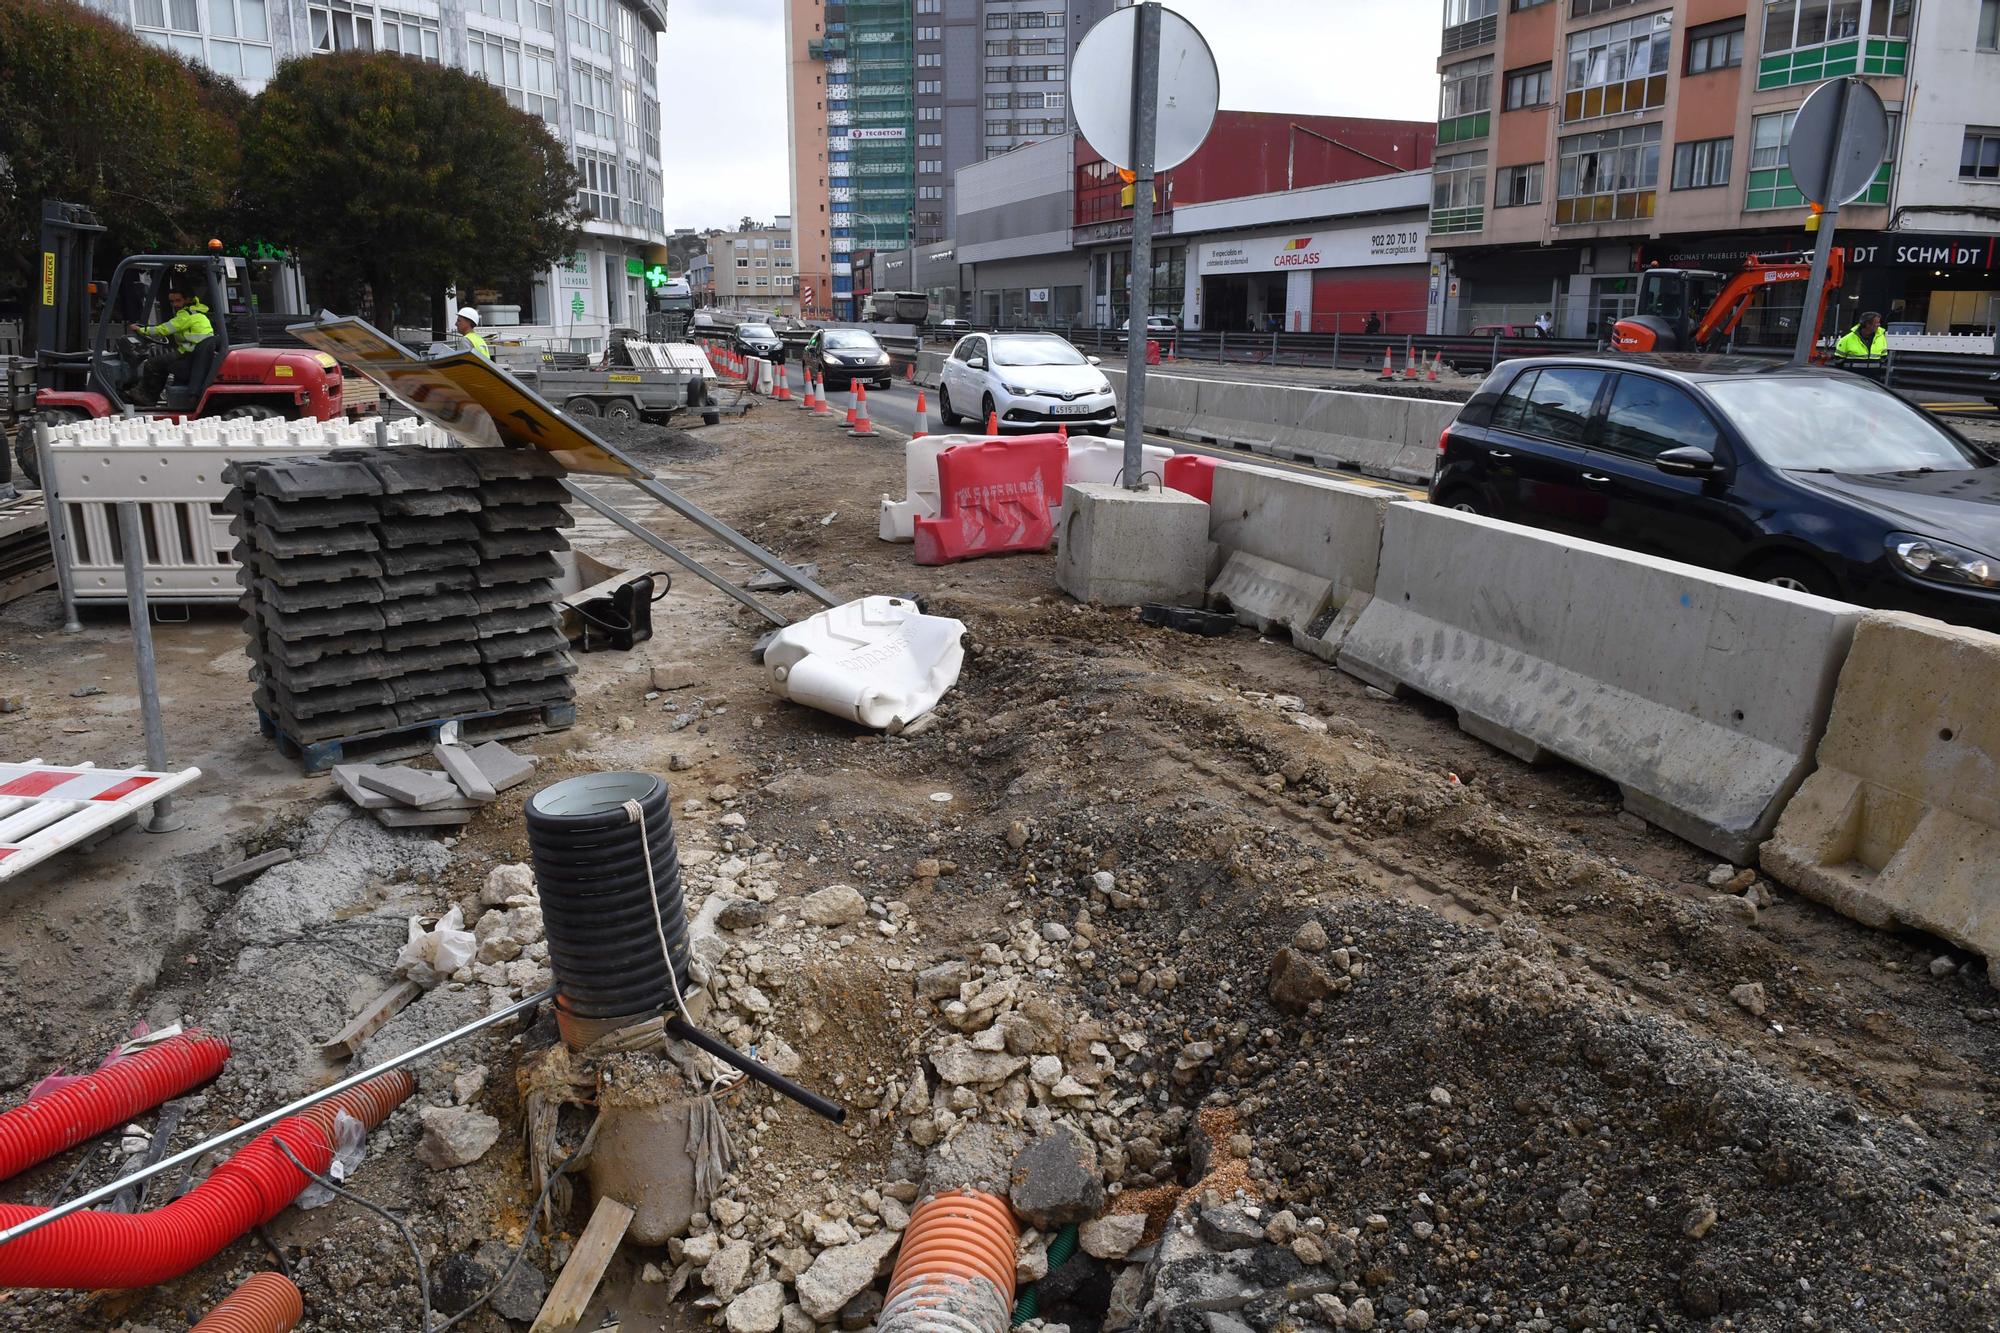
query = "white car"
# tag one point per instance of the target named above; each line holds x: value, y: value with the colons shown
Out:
x: 1026, y: 379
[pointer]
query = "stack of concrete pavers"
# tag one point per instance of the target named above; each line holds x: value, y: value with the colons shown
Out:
x: 400, y: 796
x: 395, y: 588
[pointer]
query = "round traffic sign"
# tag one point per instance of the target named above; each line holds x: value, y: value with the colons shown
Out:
x: 1100, y: 88
x: 1838, y: 142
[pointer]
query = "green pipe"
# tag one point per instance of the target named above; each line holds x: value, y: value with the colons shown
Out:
x: 1060, y: 1250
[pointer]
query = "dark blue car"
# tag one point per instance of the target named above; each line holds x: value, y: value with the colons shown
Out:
x: 1811, y: 479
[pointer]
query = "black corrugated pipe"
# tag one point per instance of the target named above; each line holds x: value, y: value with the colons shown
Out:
x: 610, y: 884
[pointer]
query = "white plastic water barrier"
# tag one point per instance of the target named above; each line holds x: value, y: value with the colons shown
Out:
x: 877, y: 661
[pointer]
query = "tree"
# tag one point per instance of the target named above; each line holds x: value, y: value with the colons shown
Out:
x: 92, y: 114
x: 402, y: 176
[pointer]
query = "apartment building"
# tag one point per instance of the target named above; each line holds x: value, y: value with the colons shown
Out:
x: 889, y: 98
x: 1580, y: 140
x: 587, y: 67
x: 752, y: 270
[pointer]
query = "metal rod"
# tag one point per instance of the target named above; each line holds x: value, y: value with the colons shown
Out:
x: 59, y: 542
x: 672, y: 552
x: 270, y: 1118
x: 769, y: 1077
x: 722, y: 532
x: 1139, y: 281
x: 158, y: 817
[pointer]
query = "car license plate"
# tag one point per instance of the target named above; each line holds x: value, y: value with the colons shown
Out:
x: 1069, y: 410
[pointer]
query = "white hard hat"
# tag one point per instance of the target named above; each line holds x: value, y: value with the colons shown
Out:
x: 467, y: 312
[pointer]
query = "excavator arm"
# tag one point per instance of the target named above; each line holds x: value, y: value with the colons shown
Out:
x: 1734, y: 299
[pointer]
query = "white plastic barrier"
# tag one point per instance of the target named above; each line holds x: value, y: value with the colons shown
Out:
x: 175, y: 471
x: 920, y: 486
x: 1093, y: 461
x: 1700, y: 694
x: 877, y: 661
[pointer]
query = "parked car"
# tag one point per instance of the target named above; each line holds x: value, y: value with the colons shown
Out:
x: 952, y: 327
x: 1157, y: 327
x: 1508, y: 331
x: 1027, y: 379
x: 1809, y: 478
x: 758, y: 340
x: 841, y: 356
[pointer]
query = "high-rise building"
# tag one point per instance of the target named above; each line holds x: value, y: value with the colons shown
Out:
x: 587, y: 67
x: 889, y: 98
x: 1581, y: 140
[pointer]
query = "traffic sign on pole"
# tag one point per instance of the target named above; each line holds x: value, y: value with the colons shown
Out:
x: 1839, y: 139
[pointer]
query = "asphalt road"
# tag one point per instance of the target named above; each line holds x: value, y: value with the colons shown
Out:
x: 894, y: 414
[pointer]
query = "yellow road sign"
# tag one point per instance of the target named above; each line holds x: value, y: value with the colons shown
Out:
x: 467, y: 396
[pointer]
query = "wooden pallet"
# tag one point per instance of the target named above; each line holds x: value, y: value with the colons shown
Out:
x: 418, y: 737
x: 26, y: 563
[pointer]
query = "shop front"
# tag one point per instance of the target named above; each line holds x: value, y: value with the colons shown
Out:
x: 1320, y: 281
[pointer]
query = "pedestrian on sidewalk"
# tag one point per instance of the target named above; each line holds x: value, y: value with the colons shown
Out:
x: 1374, y: 324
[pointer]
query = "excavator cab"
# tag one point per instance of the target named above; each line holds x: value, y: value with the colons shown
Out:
x: 1671, y: 301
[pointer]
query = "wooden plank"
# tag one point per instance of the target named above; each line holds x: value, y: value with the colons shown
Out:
x: 585, y: 1269
x: 380, y: 1010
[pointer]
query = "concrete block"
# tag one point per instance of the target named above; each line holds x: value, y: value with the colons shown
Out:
x: 444, y: 680
x: 348, y: 778
x: 519, y: 569
x: 501, y: 766
x: 426, y: 530
x: 530, y: 643
x: 296, y: 478
x: 311, y: 568
x: 441, y: 605
x: 401, y: 470
x: 540, y: 666
x: 502, y: 596
x: 438, y: 707
x: 525, y: 491
x: 431, y: 503
x: 526, y: 541
x: 1900, y: 824
x: 296, y: 515
x: 464, y: 772
x: 429, y: 633
x: 516, y: 518
x: 305, y: 542
x: 1700, y: 694
x: 1268, y: 596
x: 1122, y: 548
x: 401, y: 817
x: 524, y: 693
x: 427, y: 582
x: 443, y: 555
x: 317, y: 596
x: 406, y: 786
x: 511, y: 464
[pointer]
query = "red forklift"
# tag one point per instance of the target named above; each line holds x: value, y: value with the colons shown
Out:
x: 1697, y: 310
x: 87, y: 365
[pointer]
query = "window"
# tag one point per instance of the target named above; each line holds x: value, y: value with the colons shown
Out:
x: 1716, y: 46
x: 929, y: 192
x: 996, y: 101
x: 997, y: 74
x: 929, y: 34
x: 598, y: 193
x: 745, y: 263
x: 1609, y: 176
x: 1552, y: 403
x: 1468, y: 87
x: 1979, y: 160
x: 537, y: 14
x: 590, y: 25
x: 1617, y: 68
x: 1054, y: 101
x: 1528, y: 87
x: 590, y: 101
x: 1032, y: 21
x: 525, y: 74
x: 239, y: 33
x: 337, y: 25
x: 1458, y: 192
x: 997, y: 128
x: 1702, y: 163
x: 998, y: 22
x: 930, y: 87
x: 1029, y: 101
x: 1518, y: 5
x: 1989, y: 25
x: 1790, y: 25
x: 1585, y: 8
x: 930, y: 6
x: 1648, y: 416
x: 930, y: 113
x: 930, y: 60
x: 1469, y: 23
x: 930, y: 166
x: 410, y: 34
x: 930, y: 141
x: 1517, y: 187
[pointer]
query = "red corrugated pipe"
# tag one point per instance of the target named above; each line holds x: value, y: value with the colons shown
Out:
x: 91, y: 1249
x: 955, y: 1272
x: 265, y: 1303
x: 86, y: 1107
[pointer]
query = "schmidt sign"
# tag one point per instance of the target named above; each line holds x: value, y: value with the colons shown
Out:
x: 1928, y: 251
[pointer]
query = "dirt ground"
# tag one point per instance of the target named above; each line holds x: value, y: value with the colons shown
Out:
x: 1535, y: 1087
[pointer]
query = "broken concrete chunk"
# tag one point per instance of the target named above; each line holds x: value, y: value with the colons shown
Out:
x: 505, y: 882
x: 1112, y: 1237
x: 958, y: 1063
x: 251, y: 868
x: 455, y: 1136
x: 942, y: 982
x: 464, y: 772
x: 725, y: 1272
x: 841, y: 1273
x: 834, y: 905
x: 758, y: 1310
x: 407, y: 785
x: 1297, y: 980
x: 1054, y: 1180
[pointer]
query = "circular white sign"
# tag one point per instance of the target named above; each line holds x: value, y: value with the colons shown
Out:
x: 1100, y: 88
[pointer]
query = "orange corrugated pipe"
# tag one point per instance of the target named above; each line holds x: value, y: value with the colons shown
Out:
x: 264, y: 1303
x: 955, y: 1272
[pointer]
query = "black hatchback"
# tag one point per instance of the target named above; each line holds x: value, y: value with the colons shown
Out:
x: 1811, y: 479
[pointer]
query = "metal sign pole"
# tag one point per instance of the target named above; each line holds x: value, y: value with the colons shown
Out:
x: 1822, y: 252
x: 1145, y: 129
x: 160, y: 817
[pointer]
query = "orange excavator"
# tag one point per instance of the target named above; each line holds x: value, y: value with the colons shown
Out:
x: 1696, y: 310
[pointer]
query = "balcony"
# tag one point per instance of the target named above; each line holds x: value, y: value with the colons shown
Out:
x: 1878, y: 57
x: 1467, y: 35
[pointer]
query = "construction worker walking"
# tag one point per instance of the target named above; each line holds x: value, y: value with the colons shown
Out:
x: 467, y: 325
x: 187, y: 329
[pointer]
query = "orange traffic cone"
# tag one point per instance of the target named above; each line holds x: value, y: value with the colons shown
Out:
x: 806, y: 393
x: 1062, y: 430
x: 923, y: 417
x: 784, y: 393
x: 853, y: 402
x: 821, y: 407
x: 993, y: 424
x: 1388, y: 366
x: 1410, y: 364
x: 1432, y: 373
x: 862, y: 428
x: 910, y: 372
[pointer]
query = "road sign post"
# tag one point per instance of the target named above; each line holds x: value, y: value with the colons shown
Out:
x: 1139, y: 280
x: 1838, y: 142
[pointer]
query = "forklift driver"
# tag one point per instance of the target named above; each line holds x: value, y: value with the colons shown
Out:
x: 187, y: 330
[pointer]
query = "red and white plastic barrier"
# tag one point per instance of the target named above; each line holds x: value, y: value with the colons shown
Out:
x: 994, y: 497
x: 46, y: 808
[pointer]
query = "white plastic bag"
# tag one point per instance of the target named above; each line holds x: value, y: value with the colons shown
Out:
x: 350, y: 1145
x: 433, y: 955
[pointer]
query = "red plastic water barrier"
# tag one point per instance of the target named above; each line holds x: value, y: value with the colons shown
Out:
x: 994, y: 497
x: 1192, y: 474
x: 90, y: 1249
x: 127, y: 1085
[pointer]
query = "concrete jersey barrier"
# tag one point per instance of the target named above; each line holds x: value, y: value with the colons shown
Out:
x: 1701, y: 695
x: 1299, y: 552
x: 1900, y: 825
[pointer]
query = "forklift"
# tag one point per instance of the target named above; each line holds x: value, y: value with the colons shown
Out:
x: 86, y: 364
x: 1698, y: 310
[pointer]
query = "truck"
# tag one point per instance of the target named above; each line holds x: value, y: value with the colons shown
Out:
x: 896, y: 308
x: 87, y: 363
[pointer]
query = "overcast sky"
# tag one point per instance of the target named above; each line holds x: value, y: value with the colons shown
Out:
x: 722, y: 77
